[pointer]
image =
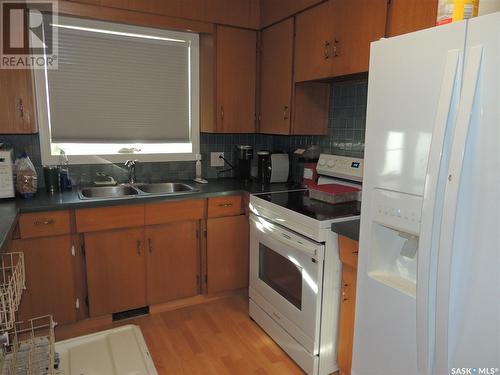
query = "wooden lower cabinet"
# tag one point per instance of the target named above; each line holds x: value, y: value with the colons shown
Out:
x: 227, y: 253
x: 346, y: 319
x: 173, y: 261
x: 50, y: 278
x: 116, y: 270
x: 348, y: 256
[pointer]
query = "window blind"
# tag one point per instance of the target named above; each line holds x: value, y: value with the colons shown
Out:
x: 119, y: 83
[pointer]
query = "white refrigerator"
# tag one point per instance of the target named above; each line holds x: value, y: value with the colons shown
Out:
x: 428, y: 292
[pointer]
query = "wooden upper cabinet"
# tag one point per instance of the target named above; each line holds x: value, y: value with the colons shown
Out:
x: 405, y: 16
x: 333, y: 38
x: 276, y: 78
x: 313, y: 38
x: 287, y: 108
x: 17, y: 113
x: 173, y: 261
x: 272, y: 11
x: 242, y: 13
x: 356, y: 23
x: 236, y: 75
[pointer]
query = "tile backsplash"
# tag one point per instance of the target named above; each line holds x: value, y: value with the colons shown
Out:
x: 346, y: 133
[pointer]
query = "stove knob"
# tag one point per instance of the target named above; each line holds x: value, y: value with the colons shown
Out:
x: 331, y: 164
x: 321, y: 163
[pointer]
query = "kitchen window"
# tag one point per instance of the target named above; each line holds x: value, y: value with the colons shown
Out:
x: 119, y: 92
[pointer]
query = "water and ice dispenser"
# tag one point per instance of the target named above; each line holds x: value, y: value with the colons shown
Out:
x: 395, y: 229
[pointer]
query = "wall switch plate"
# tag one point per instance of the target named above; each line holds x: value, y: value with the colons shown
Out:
x: 215, y: 160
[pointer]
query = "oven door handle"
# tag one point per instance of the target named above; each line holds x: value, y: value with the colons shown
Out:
x: 266, y: 228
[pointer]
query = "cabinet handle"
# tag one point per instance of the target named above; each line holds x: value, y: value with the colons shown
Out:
x: 138, y: 247
x: 225, y: 204
x: 44, y: 222
x: 222, y: 112
x: 150, y: 245
x: 344, y: 293
x: 285, y: 112
x: 355, y: 252
x: 21, y: 108
x: 336, y: 48
x: 326, y: 52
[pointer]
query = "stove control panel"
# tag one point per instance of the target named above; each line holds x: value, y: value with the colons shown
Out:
x: 340, y: 167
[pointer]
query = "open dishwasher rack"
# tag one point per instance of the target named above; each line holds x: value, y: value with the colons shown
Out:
x: 12, y: 284
x: 28, y: 347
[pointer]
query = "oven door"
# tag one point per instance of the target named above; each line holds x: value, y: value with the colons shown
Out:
x: 286, y: 274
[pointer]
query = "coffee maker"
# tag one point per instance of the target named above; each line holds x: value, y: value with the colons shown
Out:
x: 244, y: 156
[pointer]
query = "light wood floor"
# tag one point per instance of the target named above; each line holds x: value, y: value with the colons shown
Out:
x: 215, y: 337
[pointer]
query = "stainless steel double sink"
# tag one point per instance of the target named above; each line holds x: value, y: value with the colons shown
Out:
x: 129, y: 190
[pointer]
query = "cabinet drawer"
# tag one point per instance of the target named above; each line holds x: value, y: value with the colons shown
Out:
x: 42, y: 224
x: 348, y: 251
x: 96, y: 219
x: 225, y: 206
x: 167, y: 212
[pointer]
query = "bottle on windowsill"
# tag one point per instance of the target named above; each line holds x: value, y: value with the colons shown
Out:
x: 198, y: 178
x: 64, y: 179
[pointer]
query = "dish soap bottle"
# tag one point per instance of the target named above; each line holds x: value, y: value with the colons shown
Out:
x: 198, y: 178
x: 64, y: 180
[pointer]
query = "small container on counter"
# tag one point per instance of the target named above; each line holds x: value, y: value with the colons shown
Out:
x: 51, y: 177
x: 26, y: 176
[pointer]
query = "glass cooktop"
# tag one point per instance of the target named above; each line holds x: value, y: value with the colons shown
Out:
x: 300, y: 202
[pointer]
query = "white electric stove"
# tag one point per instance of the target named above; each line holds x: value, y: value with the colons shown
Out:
x: 295, y: 270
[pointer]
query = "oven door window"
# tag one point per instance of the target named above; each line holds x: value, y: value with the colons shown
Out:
x: 281, y: 274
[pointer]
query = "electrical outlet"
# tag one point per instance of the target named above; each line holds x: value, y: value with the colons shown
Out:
x: 215, y: 160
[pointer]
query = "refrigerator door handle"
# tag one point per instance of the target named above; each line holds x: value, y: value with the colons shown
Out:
x: 432, y: 206
x: 461, y: 133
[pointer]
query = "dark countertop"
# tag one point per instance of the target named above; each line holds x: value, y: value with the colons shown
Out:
x: 8, y: 219
x: 42, y: 201
x: 348, y: 229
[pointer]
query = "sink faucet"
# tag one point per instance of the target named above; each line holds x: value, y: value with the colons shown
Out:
x: 130, y: 164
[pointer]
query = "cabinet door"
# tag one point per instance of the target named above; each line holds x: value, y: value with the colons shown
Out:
x: 357, y: 23
x: 405, y: 16
x: 16, y: 102
x: 276, y: 78
x: 236, y: 76
x: 227, y: 253
x: 173, y: 261
x: 116, y: 270
x: 346, y: 319
x: 313, y: 38
x: 50, y: 278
